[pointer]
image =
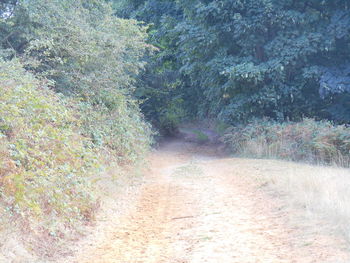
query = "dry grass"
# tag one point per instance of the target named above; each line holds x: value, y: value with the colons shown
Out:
x: 322, y: 191
x: 307, y: 141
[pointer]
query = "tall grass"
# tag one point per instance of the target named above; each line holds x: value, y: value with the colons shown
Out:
x: 323, y: 191
x: 309, y: 141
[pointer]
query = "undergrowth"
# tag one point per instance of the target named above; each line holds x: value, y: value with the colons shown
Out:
x: 44, y: 161
x: 201, y: 136
x: 67, y: 110
x: 313, y: 141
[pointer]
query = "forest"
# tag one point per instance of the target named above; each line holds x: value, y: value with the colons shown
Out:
x: 88, y: 83
x: 238, y: 60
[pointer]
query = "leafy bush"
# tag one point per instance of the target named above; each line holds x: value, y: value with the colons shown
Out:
x: 171, y: 117
x: 93, y: 57
x: 44, y: 162
x: 201, y: 136
x: 74, y: 110
x: 121, y: 132
x: 309, y: 140
x: 50, y: 139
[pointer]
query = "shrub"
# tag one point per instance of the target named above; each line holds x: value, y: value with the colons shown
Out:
x: 201, y: 136
x: 309, y: 140
x: 44, y: 162
x: 122, y: 132
x: 95, y: 58
x: 171, y: 117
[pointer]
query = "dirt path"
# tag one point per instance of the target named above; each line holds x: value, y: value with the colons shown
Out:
x: 195, y: 207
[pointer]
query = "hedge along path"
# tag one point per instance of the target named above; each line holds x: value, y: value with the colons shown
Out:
x: 196, y: 207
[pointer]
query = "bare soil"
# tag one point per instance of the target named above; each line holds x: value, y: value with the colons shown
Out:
x: 194, y: 206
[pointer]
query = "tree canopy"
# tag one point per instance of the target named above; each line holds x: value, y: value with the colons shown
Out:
x: 241, y: 59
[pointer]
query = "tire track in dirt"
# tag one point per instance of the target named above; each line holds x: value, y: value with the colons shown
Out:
x: 139, y: 235
x: 145, y: 235
x: 194, y: 208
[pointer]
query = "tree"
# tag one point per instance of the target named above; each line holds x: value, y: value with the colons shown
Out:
x: 244, y: 59
x: 259, y: 55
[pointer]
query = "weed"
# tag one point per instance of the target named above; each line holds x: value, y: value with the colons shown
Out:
x: 201, y: 137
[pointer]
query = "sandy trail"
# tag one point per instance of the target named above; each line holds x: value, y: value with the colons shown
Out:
x: 195, y: 207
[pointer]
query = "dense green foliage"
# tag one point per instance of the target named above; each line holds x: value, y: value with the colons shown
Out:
x: 67, y: 81
x: 307, y: 141
x: 44, y: 162
x: 163, y: 102
x: 241, y: 59
x: 91, y: 55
